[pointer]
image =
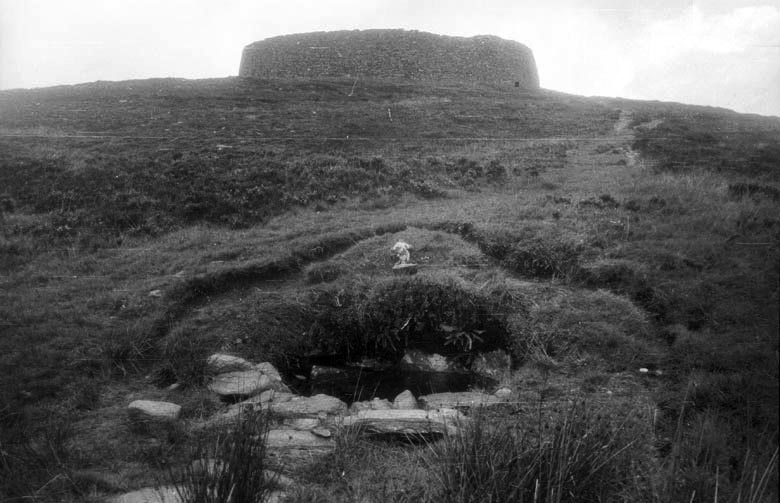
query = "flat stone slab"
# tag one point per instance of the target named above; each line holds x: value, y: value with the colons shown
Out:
x: 263, y: 400
x: 313, y: 406
x: 458, y: 399
x: 243, y: 384
x: 165, y: 494
x: 220, y: 363
x: 150, y: 410
x: 406, y: 422
x: 296, y: 439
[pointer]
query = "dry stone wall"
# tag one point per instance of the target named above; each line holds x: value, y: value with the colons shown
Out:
x: 392, y: 55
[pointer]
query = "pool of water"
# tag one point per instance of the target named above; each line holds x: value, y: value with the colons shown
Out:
x: 359, y: 384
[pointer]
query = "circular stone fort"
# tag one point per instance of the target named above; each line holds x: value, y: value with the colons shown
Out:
x: 391, y: 55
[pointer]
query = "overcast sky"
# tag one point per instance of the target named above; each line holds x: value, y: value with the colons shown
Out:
x: 712, y: 52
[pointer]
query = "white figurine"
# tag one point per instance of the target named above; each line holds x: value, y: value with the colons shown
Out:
x: 401, y: 249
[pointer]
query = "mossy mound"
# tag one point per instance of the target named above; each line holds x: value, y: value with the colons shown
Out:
x: 349, y: 306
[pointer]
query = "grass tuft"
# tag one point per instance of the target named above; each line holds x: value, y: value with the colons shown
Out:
x: 232, y: 468
x: 583, y: 456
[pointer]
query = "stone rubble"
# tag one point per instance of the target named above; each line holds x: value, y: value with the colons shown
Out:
x: 303, y: 426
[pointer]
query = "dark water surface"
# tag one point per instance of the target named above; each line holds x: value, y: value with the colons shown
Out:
x: 359, y: 384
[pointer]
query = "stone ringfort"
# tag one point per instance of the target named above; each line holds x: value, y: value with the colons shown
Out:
x: 391, y: 55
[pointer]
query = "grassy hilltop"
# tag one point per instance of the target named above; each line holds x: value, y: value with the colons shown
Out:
x: 147, y: 224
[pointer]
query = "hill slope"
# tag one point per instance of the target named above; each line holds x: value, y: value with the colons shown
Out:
x: 148, y: 223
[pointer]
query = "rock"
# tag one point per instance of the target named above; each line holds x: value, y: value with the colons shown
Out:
x: 242, y: 384
x: 406, y: 422
x: 458, y: 399
x: 359, y: 406
x: 494, y: 364
x: 220, y: 363
x: 503, y: 393
x: 313, y: 406
x: 414, y: 359
x: 165, y: 494
x: 273, y: 396
x: 302, y: 423
x: 269, y: 370
x: 276, y: 497
x: 381, y: 404
x: 322, y: 432
x: 375, y: 404
x: 296, y: 439
x: 255, y: 403
x: 322, y: 371
x: 405, y: 400
x: 152, y: 411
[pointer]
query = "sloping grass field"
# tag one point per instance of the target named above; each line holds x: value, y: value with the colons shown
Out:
x: 148, y: 224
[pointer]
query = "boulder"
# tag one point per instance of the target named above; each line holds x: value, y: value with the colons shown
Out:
x: 406, y: 422
x: 241, y: 384
x: 314, y: 406
x: 220, y: 363
x: 152, y: 411
x: 418, y: 360
x: 405, y: 400
x: 458, y: 399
